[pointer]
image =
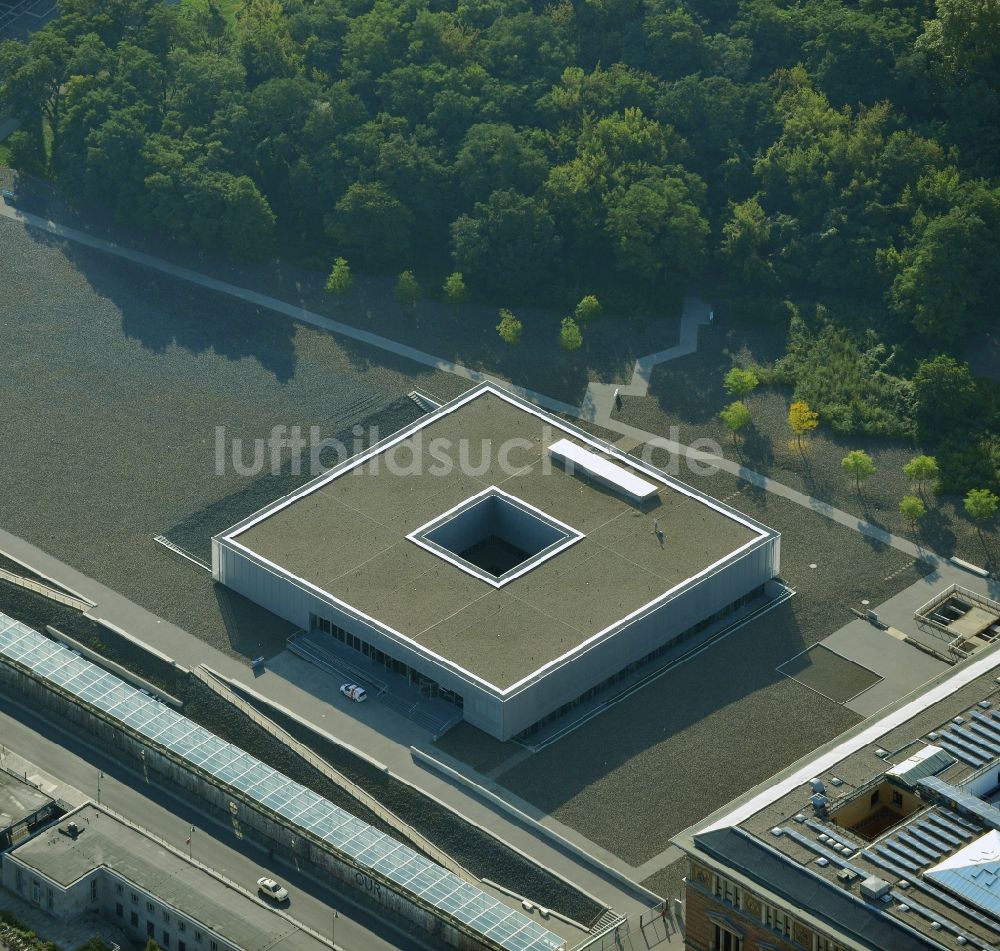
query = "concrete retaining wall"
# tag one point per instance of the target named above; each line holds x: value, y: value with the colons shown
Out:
x: 248, y: 818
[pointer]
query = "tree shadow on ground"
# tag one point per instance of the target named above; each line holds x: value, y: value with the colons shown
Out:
x: 161, y: 312
x: 936, y: 530
x: 757, y: 451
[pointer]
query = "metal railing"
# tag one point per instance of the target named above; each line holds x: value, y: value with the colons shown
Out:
x: 351, y: 788
x: 43, y: 589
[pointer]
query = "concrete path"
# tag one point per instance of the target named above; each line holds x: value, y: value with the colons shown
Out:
x: 67, y: 767
x: 597, y: 406
x: 372, y: 729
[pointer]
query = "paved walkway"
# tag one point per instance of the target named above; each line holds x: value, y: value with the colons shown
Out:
x: 597, y: 406
x: 373, y: 729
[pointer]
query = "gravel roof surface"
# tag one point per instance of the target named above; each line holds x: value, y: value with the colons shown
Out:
x: 116, y: 379
x: 348, y: 537
x: 715, y: 726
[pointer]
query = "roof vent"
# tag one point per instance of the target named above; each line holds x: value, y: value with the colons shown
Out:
x: 836, y: 781
x: 777, y: 832
x: 799, y: 818
x: 881, y: 753
x: 933, y: 735
x: 959, y: 721
x: 817, y: 785
x: 902, y: 906
x: 819, y: 802
x: 962, y: 939
x: 846, y: 877
x: 903, y: 884
x: 985, y: 704
x: 874, y: 887
x: 822, y: 862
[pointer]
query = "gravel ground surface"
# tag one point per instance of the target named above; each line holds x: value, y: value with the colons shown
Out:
x: 115, y: 382
x: 668, y: 882
x: 475, y: 849
x: 477, y: 749
x: 688, y: 393
x: 726, y: 720
x: 467, y: 335
x: 830, y: 674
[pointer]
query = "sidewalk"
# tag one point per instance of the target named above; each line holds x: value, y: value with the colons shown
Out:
x: 376, y: 731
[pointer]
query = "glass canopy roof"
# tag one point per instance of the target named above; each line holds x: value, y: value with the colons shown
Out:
x: 369, y: 848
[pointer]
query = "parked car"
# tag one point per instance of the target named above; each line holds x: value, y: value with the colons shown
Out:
x: 8, y: 196
x: 269, y: 888
x: 354, y: 692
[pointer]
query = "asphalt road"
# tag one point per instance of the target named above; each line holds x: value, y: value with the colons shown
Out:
x: 70, y: 760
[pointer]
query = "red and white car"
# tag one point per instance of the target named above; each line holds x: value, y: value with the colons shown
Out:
x: 354, y: 692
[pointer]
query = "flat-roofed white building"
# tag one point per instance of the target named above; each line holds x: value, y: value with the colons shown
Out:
x: 499, y: 556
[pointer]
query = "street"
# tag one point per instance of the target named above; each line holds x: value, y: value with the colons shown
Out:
x: 69, y: 758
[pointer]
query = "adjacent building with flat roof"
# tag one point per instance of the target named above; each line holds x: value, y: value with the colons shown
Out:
x: 93, y: 861
x: 499, y: 557
x: 888, y: 838
x: 23, y: 808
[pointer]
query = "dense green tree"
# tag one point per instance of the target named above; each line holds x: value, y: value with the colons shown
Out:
x: 374, y: 220
x: 570, y: 337
x: 859, y: 464
x: 945, y: 396
x: 912, y: 509
x: 736, y: 416
x: 494, y: 156
x: 408, y: 290
x: 509, y: 328
x: 921, y: 470
x: 741, y: 382
x: 588, y: 310
x: 507, y: 244
x: 340, y: 281
x: 657, y: 228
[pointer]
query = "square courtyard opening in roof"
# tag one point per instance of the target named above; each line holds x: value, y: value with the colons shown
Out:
x: 502, y: 572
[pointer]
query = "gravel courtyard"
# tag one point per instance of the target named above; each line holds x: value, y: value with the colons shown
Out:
x: 717, y: 725
x: 119, y: 377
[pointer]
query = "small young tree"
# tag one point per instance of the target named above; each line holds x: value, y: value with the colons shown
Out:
x: 509, y: 327
x: 737, y: 417
x: 740, y: 383
x: 407, y: 289
x: 587, y: 310
x: 859, y: 464
x: 921, y: 470
x: 980, y: 506
x: 454, y: 289
x: 912, y: 508
x: 340, y: 280
x: 570, y: 337
x: 802, y: 420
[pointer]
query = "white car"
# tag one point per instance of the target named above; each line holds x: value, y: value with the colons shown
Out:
x: 354, y: 692
x: 269, y: 888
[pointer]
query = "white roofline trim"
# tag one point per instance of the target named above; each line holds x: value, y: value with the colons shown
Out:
x: 865, y: 736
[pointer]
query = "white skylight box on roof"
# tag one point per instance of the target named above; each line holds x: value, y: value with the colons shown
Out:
x: 602, y: 470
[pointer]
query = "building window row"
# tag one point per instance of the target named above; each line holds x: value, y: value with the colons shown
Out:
x: 771, y: 916
x: 729, y: 892
x: 424, y: 683
x: 641, y: 662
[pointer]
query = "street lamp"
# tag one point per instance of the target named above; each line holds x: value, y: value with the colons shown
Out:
x: 100, y: 776
x: 333, y: 934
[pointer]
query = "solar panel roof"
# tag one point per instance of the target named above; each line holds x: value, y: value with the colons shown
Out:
x: 412, y: 872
